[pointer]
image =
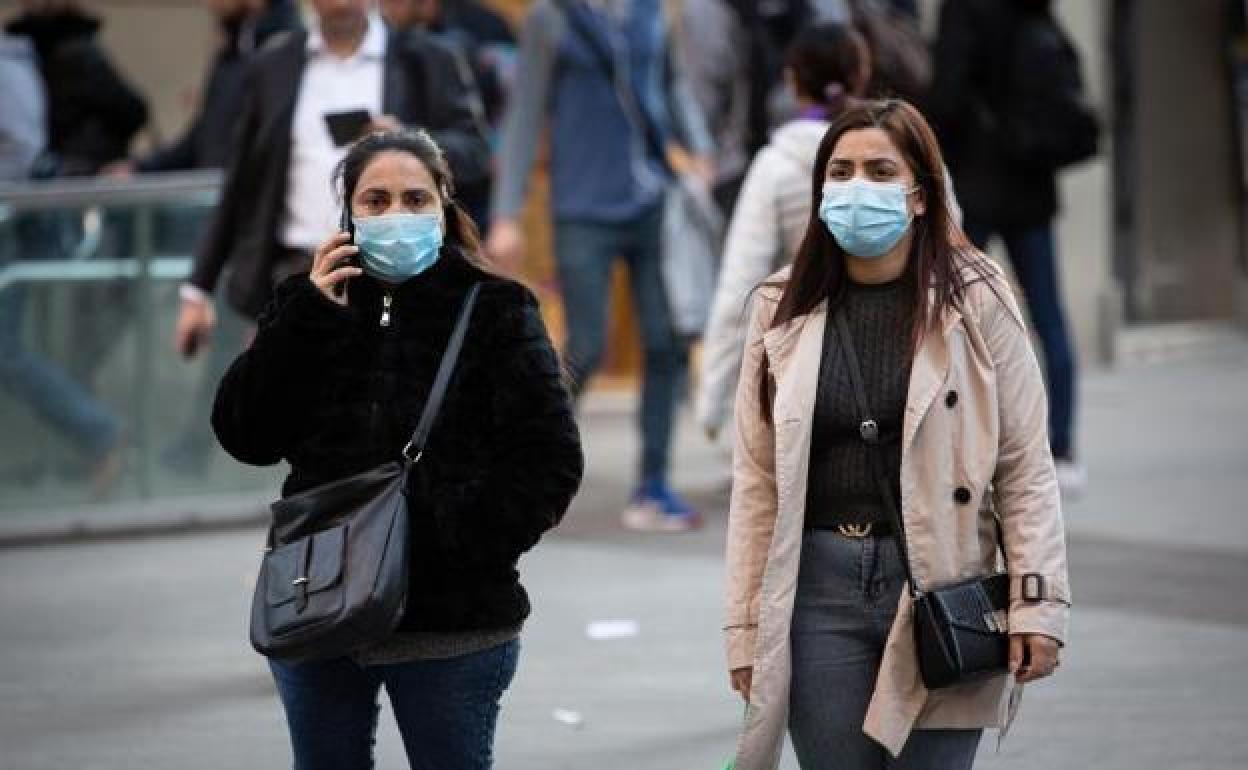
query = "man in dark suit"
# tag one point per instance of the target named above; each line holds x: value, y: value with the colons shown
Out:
x: 276, y: 204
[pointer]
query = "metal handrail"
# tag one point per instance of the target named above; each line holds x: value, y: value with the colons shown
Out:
x: 143, y: 195
x: 76, y: 192
x: 160, y: 268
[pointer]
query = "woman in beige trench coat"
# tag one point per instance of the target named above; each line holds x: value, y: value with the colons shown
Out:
x: 818, y: 628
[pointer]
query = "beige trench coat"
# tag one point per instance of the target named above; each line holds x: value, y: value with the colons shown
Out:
x: 991, y: 439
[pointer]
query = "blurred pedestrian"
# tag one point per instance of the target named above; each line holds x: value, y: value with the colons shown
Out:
x: 733, y: 52
x: 825, y: 68
x: 41, y: 384
x: 479, y: 32
x: 485, y: 42
x: 596, y: 69
x: 901, y: 62
x: 23, y: 131
x: 335, y: 383
x: 93, y: 113
x: 308, y: 94
x: 246, y: 25
x: 712, y: 39
x: 1007, y: 76
x: 819, y: 623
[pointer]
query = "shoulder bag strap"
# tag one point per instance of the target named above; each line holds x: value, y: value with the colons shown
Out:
x: 870, y: 432
x: 416, y: 447
x: 869, y: 429
x: 624, y: 90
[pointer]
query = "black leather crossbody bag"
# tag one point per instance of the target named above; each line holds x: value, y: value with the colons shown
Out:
x: 334, y: 574
x: 960, y: 630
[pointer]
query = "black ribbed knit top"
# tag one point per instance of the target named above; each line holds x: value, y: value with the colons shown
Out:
x: 841, y: 488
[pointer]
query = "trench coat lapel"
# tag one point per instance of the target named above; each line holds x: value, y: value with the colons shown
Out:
x: 793, y: 354
x: 928, y: 373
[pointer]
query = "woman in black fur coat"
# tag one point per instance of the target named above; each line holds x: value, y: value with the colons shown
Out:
x: 334, y: 384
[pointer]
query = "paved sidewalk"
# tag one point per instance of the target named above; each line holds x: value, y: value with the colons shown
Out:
x: 133, y: 653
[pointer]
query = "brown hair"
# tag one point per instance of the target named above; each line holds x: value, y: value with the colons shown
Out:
x: 939, y: 251
x: 461, y: 230
x: 827, y: 60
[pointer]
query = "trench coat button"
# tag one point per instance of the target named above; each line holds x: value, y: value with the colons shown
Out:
x: 951, y: 399
x: 962, y: 495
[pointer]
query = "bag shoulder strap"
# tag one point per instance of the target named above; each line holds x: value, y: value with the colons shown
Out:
x: 870, y: 432
x: 869, y: 429
x: 416, y: 447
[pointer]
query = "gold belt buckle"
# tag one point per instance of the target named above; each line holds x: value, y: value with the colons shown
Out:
x: 854, y: 530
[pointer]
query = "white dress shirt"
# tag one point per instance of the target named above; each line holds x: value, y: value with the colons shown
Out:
x: 330, y: 84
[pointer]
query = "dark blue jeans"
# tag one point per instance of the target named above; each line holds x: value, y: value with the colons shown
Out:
x: 1033, y: 256
x: 446, y: 709
x: 46, y: 388
x: 847, y: 594
x: 585, y: 252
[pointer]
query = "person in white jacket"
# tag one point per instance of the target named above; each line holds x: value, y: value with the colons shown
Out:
x: 826, y: 65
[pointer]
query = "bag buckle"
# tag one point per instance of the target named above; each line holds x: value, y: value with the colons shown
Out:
x: 1032, y: 587
x: 301, y: 592
x: 870, y: 431
x: 407, y: 453
x: 996, y: 621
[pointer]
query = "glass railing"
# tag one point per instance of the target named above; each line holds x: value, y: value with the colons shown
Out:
x: 96, y: 407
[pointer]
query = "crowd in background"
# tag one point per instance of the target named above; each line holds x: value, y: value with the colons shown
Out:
x: 706, y: 113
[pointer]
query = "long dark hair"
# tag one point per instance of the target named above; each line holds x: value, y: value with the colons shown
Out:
x: 941, y: 260
x: 461, y: 231
x: 827, y: 61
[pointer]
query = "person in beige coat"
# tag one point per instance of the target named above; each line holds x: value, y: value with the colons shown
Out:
x: 819, y: 631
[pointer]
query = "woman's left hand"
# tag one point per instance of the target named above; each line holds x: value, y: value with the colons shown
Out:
x: 1033, y: 656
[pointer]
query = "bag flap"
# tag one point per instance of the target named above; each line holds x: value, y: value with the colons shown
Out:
x: 296, y: 515
x: 976, y: 604
x: 316, y: 559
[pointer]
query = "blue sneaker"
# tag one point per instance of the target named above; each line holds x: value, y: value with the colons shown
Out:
x: 655, y: 507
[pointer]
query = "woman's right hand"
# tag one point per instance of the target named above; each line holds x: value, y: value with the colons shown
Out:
x: 329, y: 273
x: 741, y: 679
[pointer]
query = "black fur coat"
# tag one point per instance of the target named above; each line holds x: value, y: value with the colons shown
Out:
x: 334, y: 392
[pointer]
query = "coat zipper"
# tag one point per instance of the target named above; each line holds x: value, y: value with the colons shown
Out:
x: 374, y: 426
x: 385, y: 309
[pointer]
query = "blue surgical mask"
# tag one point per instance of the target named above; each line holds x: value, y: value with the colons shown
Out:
x: 396, y: 247
x: 866, y: 218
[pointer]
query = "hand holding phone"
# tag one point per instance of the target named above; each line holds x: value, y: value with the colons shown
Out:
x: 333, y: 265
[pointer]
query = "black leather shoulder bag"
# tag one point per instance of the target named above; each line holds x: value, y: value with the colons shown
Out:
x: 334, y: 574
x: 960, y: 630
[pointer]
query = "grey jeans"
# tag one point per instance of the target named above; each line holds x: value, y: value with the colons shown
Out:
x: 847, y: 592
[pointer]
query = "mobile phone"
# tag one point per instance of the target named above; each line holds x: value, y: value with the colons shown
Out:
x: 347, y: 126
x: 347, y: 226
